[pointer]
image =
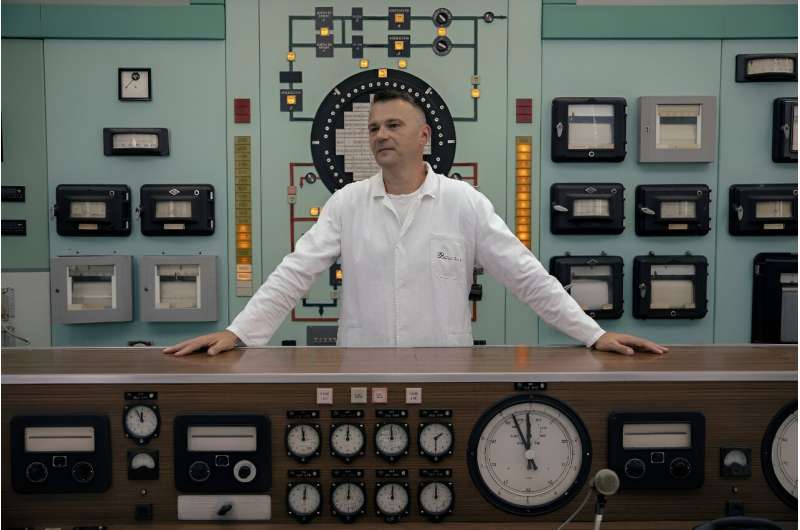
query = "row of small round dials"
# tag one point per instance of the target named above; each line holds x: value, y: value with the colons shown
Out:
x: 349, y: 440
x: 349, y: 499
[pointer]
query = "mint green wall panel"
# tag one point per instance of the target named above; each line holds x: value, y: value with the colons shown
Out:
x: 621, y: 69
x: 561, y: 21
x: 21, y: 21
x: 745, y: 148
x: 189, y: 100
x: 24, y: 153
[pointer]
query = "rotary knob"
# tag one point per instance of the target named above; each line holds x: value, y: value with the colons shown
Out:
x: 442, y: 46
x: 680, y: 468
x: 244, y: 471
x: 635, y: 468
x: 83, y: 472
x: 442, y: 17
x: 199, y: 471
x: 36, y: 472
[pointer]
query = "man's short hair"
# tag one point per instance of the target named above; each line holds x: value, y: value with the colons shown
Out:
x: 390, y: 94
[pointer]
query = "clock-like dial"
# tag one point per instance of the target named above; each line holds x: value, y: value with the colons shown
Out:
x: 435, y: 440
x: 391, y: 500
x: 391, y: 440
x: 436, y: 499
x: 529, y: 454
x: 779, y: 454
x: 141, y: 422
x: 348, y: 440
x: 303, y: 441
x: 348, y: 500
x: 304, y: 500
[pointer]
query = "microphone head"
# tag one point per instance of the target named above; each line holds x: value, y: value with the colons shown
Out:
x: 606, y: 482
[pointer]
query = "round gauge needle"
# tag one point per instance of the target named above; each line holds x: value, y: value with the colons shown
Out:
x: 303, y: 434
x: 526, y: 443
x: 435, y: 491
x: 436, y: 442
x: 529, y: 452
x: 304, y: 492
x: 347, y: 437
x: 348, y: 492
x: 391, y: 432
x: 141, y: 416
x: 392, y: 494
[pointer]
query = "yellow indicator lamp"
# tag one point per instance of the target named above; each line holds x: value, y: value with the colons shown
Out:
x: 324, y: 32
x: 314, y: 212
x: 475, y: 93
x: 383, y: 73
x: 244, y: 260
x: 339, y: 274
x: 363, y: 63
x: 243, y: 228
x: 399, y: 18
x: 524, y: 153
x: 441, y: 32
x: 402, y: 63
x: 291, y: 56
x: 399, y: 45
x: 291, y: 99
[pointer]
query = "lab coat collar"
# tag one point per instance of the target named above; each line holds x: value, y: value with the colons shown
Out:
x: 430, y: 186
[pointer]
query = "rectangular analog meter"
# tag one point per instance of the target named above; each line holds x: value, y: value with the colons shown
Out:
x: 93, y: 210
x: 784, y: 130
x: 588, y: 130
x: 766, y: 67
x: 763, y: 209
x: 135, y: 142
x: 175, y: 209
x: 669, y: 286
x: 597, y: 208
x: 595, y: 282
x: 667, y: 210
x: 677, y: 128
x: 774, y: 298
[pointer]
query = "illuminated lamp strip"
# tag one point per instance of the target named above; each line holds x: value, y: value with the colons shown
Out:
x: 243, y: 209
x: 524, y: 153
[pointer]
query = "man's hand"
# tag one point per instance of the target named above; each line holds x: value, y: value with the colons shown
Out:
x: 213, y: 343
x: 626, y: 344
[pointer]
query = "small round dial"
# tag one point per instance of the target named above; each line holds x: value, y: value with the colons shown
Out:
x: 779, y: 454
x: 348, y: 441
x: 83, y: 472
x: 36, y: 472
x: 391, y: 440
x: 391, y: 500
x: 348, y: 500
x: 199, y: 471
x: 436, y: 440
x: 141, y: 422
x: 436, y: 499
x: 304, y: 500
x: 303, y: 441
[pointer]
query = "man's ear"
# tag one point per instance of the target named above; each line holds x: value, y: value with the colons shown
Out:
x: 425, y: 134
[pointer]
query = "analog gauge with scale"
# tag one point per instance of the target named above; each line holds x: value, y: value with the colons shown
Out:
x: 304, y: 500
x: 435, y: 440
x: 391, y: 500
x: 779, y: 454
x: 529, y: 454
x: 348, y: 440
x: 141, y: 422
x: 303, y: 441
x: 134, y: 84
x: 436, y: 499
x: 348, y: 500
x: 391, y: 440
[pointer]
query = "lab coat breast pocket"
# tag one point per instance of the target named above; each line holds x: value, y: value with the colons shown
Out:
x: 447, y: 257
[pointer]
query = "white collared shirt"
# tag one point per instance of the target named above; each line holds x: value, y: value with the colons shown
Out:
x: 407, y: 284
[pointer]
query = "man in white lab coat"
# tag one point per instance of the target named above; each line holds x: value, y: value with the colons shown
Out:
x: 408, y: 240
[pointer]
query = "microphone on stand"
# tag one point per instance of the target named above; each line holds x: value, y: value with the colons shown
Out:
x: 606, y: 484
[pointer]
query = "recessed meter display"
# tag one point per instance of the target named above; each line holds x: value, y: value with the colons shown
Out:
x: 779, y: 454
x: 669, y: 210
x: 141, y: 422
x: 93, y: 210
x: 529, y: 454
x: 348, y: 500
x: 669, y: 286
x: 392, y: 500
x: 766, y: 67
x: 784, y: 130
x: 774, y: 298
x: 168, y: 209
x: 436, y: 499
x: 303, y: 441
x: 435, y: 440
x: 677, y: 128
x: 135, y: 142
x: 391, y: 440
x: 347, y: 440
x: 763, y: 209
x: 588, y: 130
x: 597, y: 208
x: 595, y: 282
x: 304, y: 500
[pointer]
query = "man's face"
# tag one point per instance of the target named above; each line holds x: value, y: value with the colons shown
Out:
x: 397, y: 133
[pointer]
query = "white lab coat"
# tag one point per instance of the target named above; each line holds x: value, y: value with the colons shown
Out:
x: 408, y: 285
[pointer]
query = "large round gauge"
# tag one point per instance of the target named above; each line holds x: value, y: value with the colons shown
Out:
x: 348, y: 500
x: 339, y: 136
x: 529, y: 454
x: 304, y: 500
x: 391, y: 500
x: 391, y: 440
x: 348, y: 440
x: 436, y: 499
x: 141, y: 422
x: 303, y: 441
x: 435, y: 440
x: 779, y: 454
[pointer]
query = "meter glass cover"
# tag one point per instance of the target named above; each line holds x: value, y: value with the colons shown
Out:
x: 657, y: 436
x: 91, y: 287
x: 678, y: 126
x: 59, y: 439
x: 222, y: 438
x: 671, y: 293
x: 87, y: 209
x: 678, y: 210
x: 173, y: 209
x: 770, y: 65
x: 590, y: 208
x: 591, y: 294
x: 590, y: 126
x: 794, y: 128
x: 773, y: 209
x: 177, y: 286
x: 135, y: 141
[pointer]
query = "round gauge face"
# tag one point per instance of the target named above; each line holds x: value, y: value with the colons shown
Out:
x: 392, y: 499
x: 436, y: 440
x: 303, y: 441
x: 304, y: 499
x: 348, y: 498
x: 141, y: 422
x: 143, y: 460
x: 391, y: 440
x: 779, y: 454
x: 436, y: 499
x: 529, y: 455
x: 347, y: 440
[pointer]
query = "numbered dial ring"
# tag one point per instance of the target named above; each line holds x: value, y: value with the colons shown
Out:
x: 348, y: 440
x: 303, y: 441
x: 779, y: 454
x: 391, y: 500
x: 436, y: 499
x: 391, y: 440
x: 348, y: 500
x: 304, y: 500
x: 141, y: 422
x: 435, y: 440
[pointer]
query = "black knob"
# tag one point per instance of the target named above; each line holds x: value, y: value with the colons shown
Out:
x: 244, y: 472
x: 225, y: 508
x: 442, y: 46
x: 199, y: 471
x: 442, y: 17
x: 488, y: 17
x: 36, y: 472
x: 635, y: 468
x: 680, y: 468
x: 83, y: 472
